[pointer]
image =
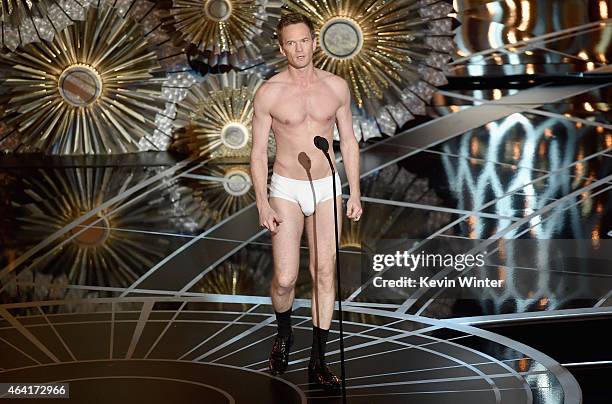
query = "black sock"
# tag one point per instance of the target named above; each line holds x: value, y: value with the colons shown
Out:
x: 283, y: 322
x: 319, y: 340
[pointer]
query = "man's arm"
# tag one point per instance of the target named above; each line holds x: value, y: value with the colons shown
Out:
x: 260, y: 131
x: 349, y: 149
x: 348, y: 143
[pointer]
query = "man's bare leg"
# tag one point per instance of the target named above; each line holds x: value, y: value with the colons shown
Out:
x: 286, y: 253
x: 322, y: 265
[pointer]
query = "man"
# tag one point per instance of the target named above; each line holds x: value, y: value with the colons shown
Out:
x: 298, y: 104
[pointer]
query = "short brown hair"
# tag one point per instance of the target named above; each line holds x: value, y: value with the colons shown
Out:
x: 294, y: 18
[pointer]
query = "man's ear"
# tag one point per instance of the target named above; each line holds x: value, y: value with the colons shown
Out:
x: 280, y: 47
x: 314, y: 44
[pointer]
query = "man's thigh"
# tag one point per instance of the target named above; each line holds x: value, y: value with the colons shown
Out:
x: 320, y: 232
x: 286, y: 241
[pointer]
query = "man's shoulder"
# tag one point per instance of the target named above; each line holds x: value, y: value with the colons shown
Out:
x: 271, y: 86
x: 278, y: 78
x: 336, y: 82
x: 267, y: 90
x: 325, y: 75
x: 278, y: 82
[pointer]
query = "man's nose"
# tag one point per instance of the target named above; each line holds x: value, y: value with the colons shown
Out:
x: 299, y: 47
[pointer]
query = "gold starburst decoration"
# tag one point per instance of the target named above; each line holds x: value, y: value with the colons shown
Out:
x: 214, y: 120
x: 222, y: 25
x: 95, y: 89
x: 26, y: 21
x: 392, y: 53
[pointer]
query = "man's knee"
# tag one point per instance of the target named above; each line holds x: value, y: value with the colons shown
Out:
x: 324, y: 276
x: 284, y: 283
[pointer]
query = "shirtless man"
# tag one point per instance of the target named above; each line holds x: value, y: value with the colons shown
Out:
x: 298, y: 104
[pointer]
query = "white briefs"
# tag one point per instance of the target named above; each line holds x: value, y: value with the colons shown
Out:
x: 305, y: 193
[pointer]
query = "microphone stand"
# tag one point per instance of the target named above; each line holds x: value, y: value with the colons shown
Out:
x: 342, y: 371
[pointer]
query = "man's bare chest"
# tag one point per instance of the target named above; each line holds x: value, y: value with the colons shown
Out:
x: 294, y: 107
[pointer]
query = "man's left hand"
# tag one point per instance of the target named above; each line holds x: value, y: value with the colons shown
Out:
x: 353, y: 208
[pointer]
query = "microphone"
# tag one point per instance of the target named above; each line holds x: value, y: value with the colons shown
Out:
x: 321, y: 143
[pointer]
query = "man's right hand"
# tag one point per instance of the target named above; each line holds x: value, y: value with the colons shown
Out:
x: 269, y: 219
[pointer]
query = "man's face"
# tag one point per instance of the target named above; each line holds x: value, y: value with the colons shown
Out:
x: 297, y: 45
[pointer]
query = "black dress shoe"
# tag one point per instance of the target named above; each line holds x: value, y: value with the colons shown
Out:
x: 279, y: 357
x: 322, y: 376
